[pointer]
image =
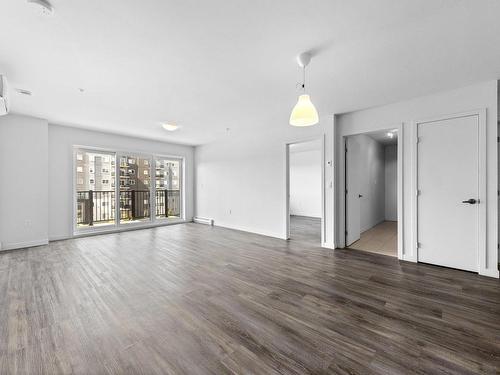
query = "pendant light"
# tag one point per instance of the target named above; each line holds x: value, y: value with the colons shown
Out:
x: 304, y: 113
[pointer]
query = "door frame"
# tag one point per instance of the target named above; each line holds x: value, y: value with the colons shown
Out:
x: 482, y: 261
x: 320, y: 138
x: 342, y: 201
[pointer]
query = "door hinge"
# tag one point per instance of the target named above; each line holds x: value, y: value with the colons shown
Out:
x: 345, y: 191
x: 346, y: 233
x: 498, y: 139
x: 418, y: 192
x: 417, y: 245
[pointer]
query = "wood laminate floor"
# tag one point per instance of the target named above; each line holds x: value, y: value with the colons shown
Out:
x: 381, y: 239
x: 193, y: 299
x: 305, y: 229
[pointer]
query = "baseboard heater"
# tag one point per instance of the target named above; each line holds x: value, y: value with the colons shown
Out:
x: 203, y: 220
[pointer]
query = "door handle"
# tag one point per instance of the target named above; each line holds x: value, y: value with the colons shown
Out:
x: 360, y: 196
x: 471, y: 201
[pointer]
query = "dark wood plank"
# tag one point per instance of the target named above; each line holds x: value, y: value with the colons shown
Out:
x: 200, y: 300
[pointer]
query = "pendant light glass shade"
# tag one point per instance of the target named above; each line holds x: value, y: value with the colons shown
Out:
x: 304, y: 113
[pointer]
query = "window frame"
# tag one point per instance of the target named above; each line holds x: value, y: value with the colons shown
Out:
x: 182, y: 162
x: 116, y: 226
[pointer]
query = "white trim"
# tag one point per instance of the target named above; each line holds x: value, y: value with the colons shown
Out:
x: 400, y: 198
x: 339, y: 224
x: 482, y: 261
x: 22, y: 245
x: 59, y: 237
x: 286, y: 231
x: 218, y: 224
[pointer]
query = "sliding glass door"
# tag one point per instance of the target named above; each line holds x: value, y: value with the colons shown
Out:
x: 168, y: 175
x: 135, y: 189
x: 95, y: 188
x: 114, y: 189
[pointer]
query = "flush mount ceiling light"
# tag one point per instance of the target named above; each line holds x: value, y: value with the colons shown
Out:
x: 304, y: 113
x: 43, y: 5
x: 390, y: 135
x: 170, y: 127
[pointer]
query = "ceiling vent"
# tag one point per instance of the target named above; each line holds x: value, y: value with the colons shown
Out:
x: 4, y: 96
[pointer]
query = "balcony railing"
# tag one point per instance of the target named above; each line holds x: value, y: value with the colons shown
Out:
x: 98, y: 207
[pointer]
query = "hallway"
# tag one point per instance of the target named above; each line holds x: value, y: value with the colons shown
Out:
x: 381, y: 239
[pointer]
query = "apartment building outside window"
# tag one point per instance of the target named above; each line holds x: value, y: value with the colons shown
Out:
x: 114, y: 189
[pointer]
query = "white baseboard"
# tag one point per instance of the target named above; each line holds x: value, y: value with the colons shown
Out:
x: 328, y: 245
x: 490, y: 273
x: 22, y: 245
x: 59, y: 237
x: 250, y: 230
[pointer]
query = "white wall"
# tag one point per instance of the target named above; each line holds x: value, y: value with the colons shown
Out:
x: 61, y: 141
x: 481, y: 95
x: 391, y: 183
x: 240, y: 180
x: 23, y: 181
x: 305, y: 183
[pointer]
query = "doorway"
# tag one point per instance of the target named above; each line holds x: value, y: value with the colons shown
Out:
x: 371, y: 192
x: 304, y: 216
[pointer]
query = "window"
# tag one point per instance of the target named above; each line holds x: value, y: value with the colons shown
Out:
x: 135, y: 191
x: 105, y: 196
x: 95, y: 201
x: 168, y: 188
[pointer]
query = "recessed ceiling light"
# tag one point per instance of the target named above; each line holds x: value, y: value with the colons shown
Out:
x: 43, y: 5
x: 24, y: 92
x: 390, y: 135
x: 170, y: 127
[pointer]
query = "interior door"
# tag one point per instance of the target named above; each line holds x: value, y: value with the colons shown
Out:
x: 353, y: 210
x: 448, y: 197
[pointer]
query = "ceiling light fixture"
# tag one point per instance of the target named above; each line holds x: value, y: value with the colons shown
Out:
x: 304, y: 113
x: 170, y: 127
x: 390, y: 135
x: 43, y: 5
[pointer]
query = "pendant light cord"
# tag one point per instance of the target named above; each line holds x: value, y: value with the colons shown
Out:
x: 304, y: 79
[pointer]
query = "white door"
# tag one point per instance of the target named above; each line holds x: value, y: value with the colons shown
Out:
x: 353, y: 211
x: 448, y: 213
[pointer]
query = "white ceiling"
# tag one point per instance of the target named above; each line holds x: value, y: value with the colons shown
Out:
x: 215, y: 64
x: 383, y: 137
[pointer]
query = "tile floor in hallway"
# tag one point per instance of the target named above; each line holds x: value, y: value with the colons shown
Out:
x: 381, y: 239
